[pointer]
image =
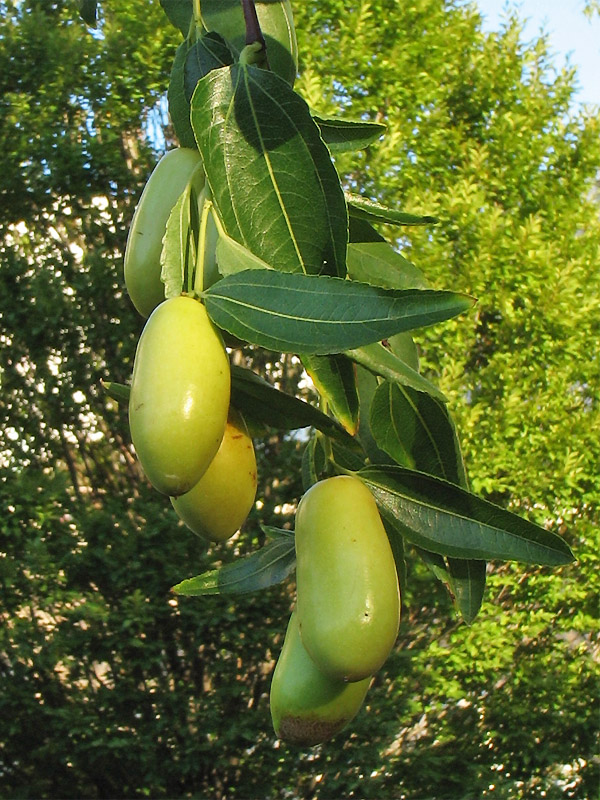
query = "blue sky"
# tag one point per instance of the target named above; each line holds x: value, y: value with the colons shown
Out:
x: 572, y: 35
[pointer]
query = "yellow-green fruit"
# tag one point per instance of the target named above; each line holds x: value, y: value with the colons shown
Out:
x: 220, y: 502
x: 347, y: 586
x: 308, y: 707
x: 149, y: 224
x: 179, y: 395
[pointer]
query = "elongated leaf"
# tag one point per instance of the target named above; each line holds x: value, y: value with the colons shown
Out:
x: 379, y: 264
x: 179, y: 12
x: 266, y: 404
x: 397, y: 544
x: 233, y: 257
x: 345, y: 135
x: 118, y: 391
x: 446, y: 519
x: 381, y: 361
x: 417, y: 431
x: 314, y: 462
x: 271, y: 175
x: 359, y: 230
x: 180, y: 243
x: 367, y: 384
x: 371, y: 211
x: 208, y: 52
x: 403, y: 347
x: 270, y: 565
x: 87, y: 12
x: 335, y: 380
x: 467, y: 584
x: 318, y: 314
x: 179, y: 105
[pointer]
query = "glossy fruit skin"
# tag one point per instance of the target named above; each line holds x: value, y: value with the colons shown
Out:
x: 347, y: 586
x: 216, y: 507
x: 308, y: 707
x: 179, y: 396
x: 144, y: 243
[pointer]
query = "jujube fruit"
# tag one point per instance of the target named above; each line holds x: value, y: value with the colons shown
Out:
x: 308, y: 707
x: 347, y: 587
x: 218, y: 504
x: 148, y: 226
x: 179, y: 395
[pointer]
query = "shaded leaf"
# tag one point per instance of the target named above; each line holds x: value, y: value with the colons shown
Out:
x: 88, y: 12
x: 359, y: 230
x: 318, y: 314
x: 379, y: 264
x: 371, y: 211
x: 276, y: 23
x: 264, y: 403
x: 271, y: 176
x: 381, y: 361
x: 179, y: 13
x: 334, y: 377
x: 233, y: 257
x: 118, y: 391
x: 270, y: 565
x: 446, y: 519
x: 344, y: 135
x: 416, y: 430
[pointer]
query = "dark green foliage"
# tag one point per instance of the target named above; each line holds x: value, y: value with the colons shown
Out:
x: 112, y: 687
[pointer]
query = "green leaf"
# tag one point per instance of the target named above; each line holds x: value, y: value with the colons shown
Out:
x: 118, y: 391
x: 233, y: 257
x: 314, y: 462
x: 317, y: 314
x: 276, y: 23
x: 446, y: 519
x: 371, y: 211
x: 208, y: 52
x: 403, y: 346
x: 88, y: 12
x: 381, y: 361
x: 257, y: 399
x: 334, y: 378
x: 397, y: 544
x: 416, y: 430
x: 359, y: 230
x: 379, y: 264
x: 270, y: 565
x: 179, y: 105
x: 180, y: 242
x: 344, y: 135
x: 467, y: 584
x: 179, y: 12
x: 367, y: 384
x: 276, y: 533
x: 271, y: 176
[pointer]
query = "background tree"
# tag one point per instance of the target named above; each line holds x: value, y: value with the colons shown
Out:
x: 108, y: 687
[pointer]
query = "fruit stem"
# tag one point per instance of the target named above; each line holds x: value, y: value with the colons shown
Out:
x: 253, y: 32
x: 201, y: 256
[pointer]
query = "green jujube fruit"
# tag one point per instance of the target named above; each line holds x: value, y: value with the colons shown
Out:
x: 217, y: 506
x: 347, y: 587
x: 308, y: 707
x: 277, y: 25
x: 142, y: 265
x: 179, y: 396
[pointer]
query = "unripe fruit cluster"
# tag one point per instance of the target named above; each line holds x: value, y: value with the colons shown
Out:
x: 191, y: 444
x: 347, y: 612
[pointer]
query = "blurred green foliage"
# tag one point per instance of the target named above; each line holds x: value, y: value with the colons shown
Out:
x: 111, y: 687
